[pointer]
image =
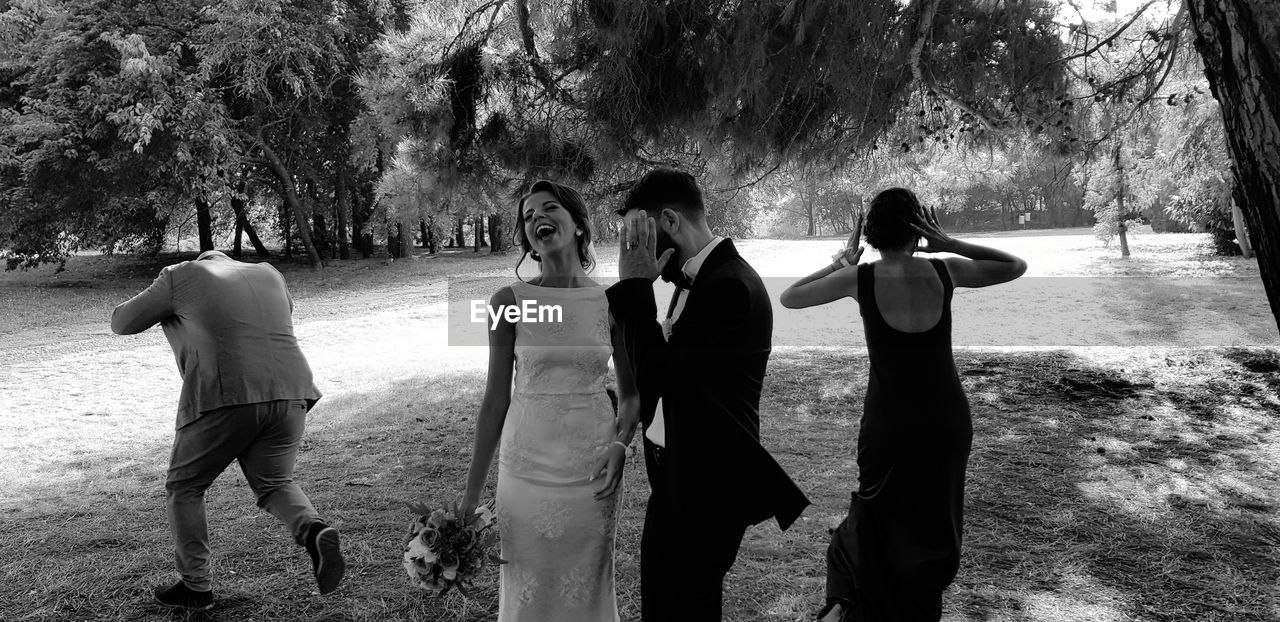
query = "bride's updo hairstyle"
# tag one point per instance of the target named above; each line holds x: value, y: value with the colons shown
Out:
x: 887, y: 220
x: 572, y: 201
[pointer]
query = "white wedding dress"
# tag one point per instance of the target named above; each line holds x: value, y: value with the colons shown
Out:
x: 558, y: 540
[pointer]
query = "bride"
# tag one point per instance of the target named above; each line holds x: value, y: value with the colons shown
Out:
x: 562, y: 448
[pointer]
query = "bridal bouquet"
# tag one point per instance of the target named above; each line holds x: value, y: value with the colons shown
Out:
x: 445, y: 550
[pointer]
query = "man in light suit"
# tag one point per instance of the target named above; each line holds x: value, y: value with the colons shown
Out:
x: 246, y: 390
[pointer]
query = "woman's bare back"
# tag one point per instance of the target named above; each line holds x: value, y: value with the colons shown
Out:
x: 909, y: 294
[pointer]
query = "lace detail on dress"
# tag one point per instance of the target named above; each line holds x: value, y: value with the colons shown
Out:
x: 559, y: 330
x: 575, y: 589
x: 589, y: 363
x: 553, y: 517
x: 556, y: 536
x: 602, y: 329
x: 525, y: 582
x: 608, y: 511
x: 516, y: 452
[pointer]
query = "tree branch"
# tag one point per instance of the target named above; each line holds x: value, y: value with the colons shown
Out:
x: 927, y: 12
x: 496, y: 5
x: 1109, y: 38
x: 531, y: 49
x: 749, y: 184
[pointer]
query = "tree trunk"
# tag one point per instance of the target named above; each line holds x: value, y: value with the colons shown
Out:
x: 320, y: 233
x: 1239, y: 41
x: 495, y: 233
x: 204, y: 222
x: 237, y: 250
x: 290, y: 194
x: 477, y: 225
x: 360, y: 214
x: 286, y: 228
x: 1242, y: 232
x: 319, y: 223
x: 1122, y: 213
x: 459, y: 240
x: 242, y: 223
x: 342, y: 204
x: 362, y: 191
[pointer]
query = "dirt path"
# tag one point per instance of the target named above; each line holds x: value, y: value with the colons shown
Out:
x: 366, y: 325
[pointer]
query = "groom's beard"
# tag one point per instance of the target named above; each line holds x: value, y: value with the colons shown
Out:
x: 672, y: 272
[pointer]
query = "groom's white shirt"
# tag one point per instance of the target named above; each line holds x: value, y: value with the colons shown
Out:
x: 657, y: 430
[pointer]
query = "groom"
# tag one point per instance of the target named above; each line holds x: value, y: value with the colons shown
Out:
x: 709, y: 476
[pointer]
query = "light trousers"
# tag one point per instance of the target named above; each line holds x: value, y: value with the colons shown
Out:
x: 264, y: 438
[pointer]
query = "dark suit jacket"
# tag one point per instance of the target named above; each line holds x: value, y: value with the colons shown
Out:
x: 709, y: 376
x: 231, y: 328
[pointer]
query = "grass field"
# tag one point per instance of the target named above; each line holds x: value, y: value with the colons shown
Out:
x: 1131, y: 482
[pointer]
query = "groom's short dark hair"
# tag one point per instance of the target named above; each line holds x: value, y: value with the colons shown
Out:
x: 666, y: 187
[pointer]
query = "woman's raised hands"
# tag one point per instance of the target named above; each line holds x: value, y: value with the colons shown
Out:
x: 853, y: 249
x: 925, y: 224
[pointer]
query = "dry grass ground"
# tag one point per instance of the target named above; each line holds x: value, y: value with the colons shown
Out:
x: 1105, y: 483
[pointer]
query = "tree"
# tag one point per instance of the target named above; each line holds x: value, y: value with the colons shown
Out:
x: 151, y: 107
x: 594, y: 92
x: 96, y: 150
x: 1239, y: 41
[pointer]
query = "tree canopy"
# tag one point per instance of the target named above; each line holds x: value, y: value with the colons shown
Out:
x: 342, y: 121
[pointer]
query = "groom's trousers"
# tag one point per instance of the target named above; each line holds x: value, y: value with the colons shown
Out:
x: 683, y: 559
x: 264, y: 438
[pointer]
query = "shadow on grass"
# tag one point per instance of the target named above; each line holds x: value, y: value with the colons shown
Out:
x: 1097, y: 491
x: 93, y: 546
x: 1096, y: 494
x: 1189, y: 312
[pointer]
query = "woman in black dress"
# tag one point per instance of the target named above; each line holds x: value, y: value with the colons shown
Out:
x: 899, y: 547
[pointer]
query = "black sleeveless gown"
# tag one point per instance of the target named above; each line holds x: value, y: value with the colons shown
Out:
x: 899, y: 547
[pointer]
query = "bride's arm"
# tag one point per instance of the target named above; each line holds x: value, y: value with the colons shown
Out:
x: 610, y: 465
x: 497, y: 397
x: 628, y: 394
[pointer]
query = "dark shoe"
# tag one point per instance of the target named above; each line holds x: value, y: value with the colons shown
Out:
x: 179, y: 595
x: 326, y: 557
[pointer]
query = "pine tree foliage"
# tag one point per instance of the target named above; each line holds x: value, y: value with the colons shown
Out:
x: 496, y: 93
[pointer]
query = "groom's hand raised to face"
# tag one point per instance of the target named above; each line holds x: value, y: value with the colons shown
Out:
x: 638, y: 247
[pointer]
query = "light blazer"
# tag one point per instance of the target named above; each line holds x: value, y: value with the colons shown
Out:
x: 231, y: 328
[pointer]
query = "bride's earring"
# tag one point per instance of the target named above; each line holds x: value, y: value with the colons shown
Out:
x: 578, y: 233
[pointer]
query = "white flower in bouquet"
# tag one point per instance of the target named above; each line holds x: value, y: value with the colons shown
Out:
x: 445, y: 550
x: 419, y: 550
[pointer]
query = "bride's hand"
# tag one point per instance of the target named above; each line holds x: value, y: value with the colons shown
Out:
x: 468, y: 506
x: 609, y: 466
